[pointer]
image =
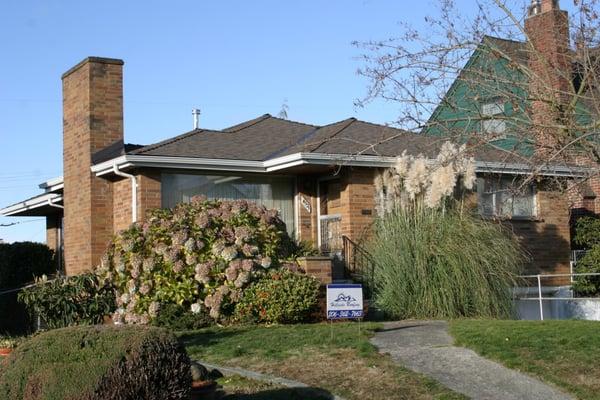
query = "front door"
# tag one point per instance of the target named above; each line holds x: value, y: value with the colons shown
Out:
x: 330, y: 218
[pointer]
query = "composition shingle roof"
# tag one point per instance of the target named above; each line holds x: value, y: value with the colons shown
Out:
x: 268, y: 137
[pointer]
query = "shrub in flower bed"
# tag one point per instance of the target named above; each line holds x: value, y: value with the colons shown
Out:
x: 202, y: 253
x: 280, y: 296
x: 67, y: 301
x: 97, y: 362
x: 178, y: 317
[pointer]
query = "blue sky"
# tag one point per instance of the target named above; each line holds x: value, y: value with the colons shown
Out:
x: 233, y: 59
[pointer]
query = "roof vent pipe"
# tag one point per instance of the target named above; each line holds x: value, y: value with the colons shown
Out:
x: 196, y: 115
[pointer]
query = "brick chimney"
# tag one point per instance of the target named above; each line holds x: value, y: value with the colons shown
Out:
x: 92, y: 121
x: 547, y: 28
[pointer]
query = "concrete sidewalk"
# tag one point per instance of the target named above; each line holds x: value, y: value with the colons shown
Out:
x: 426, y: 347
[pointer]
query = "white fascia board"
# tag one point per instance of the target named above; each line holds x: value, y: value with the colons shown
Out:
x: 36, y: 202
x: 128, y: 161
x: 292, y: 160
x: 524, y: 169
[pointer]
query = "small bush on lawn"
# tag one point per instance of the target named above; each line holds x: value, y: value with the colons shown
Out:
x: 279, y: 297
x: 67, y: 301
x: 202, y: 253
x: 20, y: 263
x: 587, y: 234
x: 97, y: 362
x: 177, y: 317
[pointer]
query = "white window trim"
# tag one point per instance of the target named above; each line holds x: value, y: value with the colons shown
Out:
x: 498, y: 105
x: 495, y: 214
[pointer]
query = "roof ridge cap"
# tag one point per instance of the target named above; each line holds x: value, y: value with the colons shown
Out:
x: 348, y: 121
x: 253, y: 122
x: 165, y: 142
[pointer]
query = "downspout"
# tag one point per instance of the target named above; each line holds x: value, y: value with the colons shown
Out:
x: 133, y: 190
x: 52, y: 204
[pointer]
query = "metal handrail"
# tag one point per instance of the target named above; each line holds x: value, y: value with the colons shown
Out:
x: 355, y: 258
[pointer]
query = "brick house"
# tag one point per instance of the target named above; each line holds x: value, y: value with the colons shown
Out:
x: 320, y: 178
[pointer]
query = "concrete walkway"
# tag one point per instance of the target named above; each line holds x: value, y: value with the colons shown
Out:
x: 426, y: 347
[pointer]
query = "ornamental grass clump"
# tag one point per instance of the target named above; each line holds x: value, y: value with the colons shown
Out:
x: 200, y: 254
x: 434, y: 257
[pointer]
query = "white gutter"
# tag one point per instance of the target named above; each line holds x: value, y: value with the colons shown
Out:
x: 36, y: 202
x: 133, y: 190
x: 292, y: 160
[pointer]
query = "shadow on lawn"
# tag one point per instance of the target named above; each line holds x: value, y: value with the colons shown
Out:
x: 207, y: 338
x: 283, y: 394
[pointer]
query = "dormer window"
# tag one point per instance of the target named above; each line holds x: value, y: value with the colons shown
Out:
x: 493, y: 122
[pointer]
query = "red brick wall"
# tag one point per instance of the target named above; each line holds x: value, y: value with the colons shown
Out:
x: 357, y: 200
x: 547, y: 239
x: 550, y: 65
x: 122, y: 217
x: 52, y: 231
x: 317, y: 267
x: 148, y: 197
x: 92, y: 120
x: 149, y: 192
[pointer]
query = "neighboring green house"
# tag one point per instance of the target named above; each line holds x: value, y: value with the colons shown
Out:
x: 488, y: 99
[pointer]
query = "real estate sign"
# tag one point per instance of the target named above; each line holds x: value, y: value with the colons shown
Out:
x: 344, y: 301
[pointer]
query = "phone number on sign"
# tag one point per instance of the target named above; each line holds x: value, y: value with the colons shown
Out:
x: 345, y: 314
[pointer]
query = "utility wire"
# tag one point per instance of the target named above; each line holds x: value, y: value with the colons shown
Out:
x: 20, y: 222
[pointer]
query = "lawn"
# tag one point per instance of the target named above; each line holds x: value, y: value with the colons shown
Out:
x: 337, y: 359
x: 564, y: 353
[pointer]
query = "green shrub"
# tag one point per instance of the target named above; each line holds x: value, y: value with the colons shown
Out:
x: 179, y: 317
x: 198, y: 253
x: 20, y: 263
x: 97, y: 362
x: 67, y: 301
x: 441, y: 263
x: 279, y: 297
x: 587, y: 234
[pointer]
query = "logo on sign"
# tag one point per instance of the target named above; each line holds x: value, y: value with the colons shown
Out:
x: 343, y: 300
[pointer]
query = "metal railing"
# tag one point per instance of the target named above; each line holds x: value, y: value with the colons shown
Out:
x: 540, y: 298
x: 359, y: 265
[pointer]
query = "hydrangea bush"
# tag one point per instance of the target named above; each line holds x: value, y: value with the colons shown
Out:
x: 198, y: 254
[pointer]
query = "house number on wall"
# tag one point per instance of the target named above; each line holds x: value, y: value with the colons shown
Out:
x: 305, y: 204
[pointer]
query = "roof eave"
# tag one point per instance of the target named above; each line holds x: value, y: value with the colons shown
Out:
x: 43, y: 200
x: 292, y: 160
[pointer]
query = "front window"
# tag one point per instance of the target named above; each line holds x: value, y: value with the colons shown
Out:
x: 272, y: 192
x: 505, y: 197
x: 493, y: 122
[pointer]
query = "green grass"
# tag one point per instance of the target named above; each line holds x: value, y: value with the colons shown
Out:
x: 276, y: 342
x: 565, y: 353
x: 345, y: 364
